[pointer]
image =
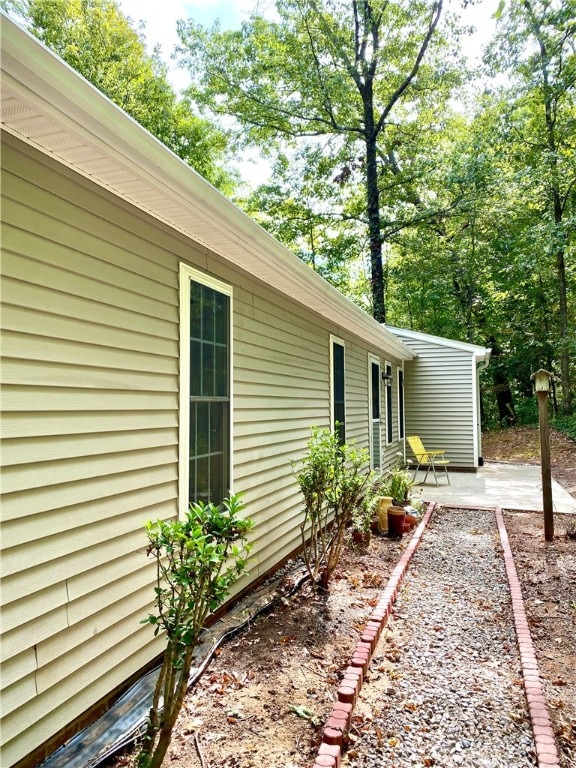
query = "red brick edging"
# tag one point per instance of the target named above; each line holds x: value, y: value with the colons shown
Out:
x: 330, y: 750
x: 546, y: 752
x: 338, y: 723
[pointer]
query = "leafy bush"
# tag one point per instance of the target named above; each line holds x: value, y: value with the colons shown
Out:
x: 366, y: 510
x: 331, y: 480
x: 197, y: 561
x: 397, y: 484
x: 526, y: 410
x: 566, y: 425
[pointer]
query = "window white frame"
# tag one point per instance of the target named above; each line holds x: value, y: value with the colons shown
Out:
x: 373, y: 360
x: 188, y: 275
x: 401, y: 399
x: 335, y: 340
x: 388, y: 403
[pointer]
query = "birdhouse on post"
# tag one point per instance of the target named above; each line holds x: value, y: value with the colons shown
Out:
x: 542, y: 383
x: 542, y: 380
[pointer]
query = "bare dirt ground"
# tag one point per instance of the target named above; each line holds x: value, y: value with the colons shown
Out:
x: 522, y: 445
x: 263, y: 700
x: 548, y: 575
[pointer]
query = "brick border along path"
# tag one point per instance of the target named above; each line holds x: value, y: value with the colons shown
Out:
x: 338, y: 723
x: 546, y: 752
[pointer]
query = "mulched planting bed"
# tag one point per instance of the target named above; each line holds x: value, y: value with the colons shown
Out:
x: 265, y: 697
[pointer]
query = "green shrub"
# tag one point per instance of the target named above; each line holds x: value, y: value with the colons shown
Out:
x: 197, y: 561
x: 397, y: 483
x: 331, y: 479
x: 526, y: 410
x: 566, y: 425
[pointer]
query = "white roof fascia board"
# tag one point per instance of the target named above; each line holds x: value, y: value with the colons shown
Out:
x: 480, y: 353
x: 44, y: 99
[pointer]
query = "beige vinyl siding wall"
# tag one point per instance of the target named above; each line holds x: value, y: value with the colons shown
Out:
x: 89, y: 449
x: 440, y: 400
x: 281, y: 389
x: 90, y: 345
x: 281, y: 386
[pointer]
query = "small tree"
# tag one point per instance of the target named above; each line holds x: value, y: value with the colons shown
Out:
x: 331, y: 480
x: 197, y: 561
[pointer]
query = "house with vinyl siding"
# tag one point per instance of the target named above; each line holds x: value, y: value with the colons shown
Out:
x: 157, y: 346
x: 442, y: 386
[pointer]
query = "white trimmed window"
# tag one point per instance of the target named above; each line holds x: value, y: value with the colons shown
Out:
x: 205, y: 387
x: 388, y: 379
x: 401, y: 404
x: 338, y: 388
x: 374, y: 407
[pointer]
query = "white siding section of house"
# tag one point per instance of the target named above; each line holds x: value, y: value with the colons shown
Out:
x: 440, y: 400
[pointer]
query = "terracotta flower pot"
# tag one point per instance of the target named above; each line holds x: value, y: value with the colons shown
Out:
x: 361, y: 537
x: 396, y: 519
x: 412, y: 520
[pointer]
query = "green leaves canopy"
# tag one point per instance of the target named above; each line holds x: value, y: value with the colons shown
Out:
x: 101, y: 44
x: 352, y: 71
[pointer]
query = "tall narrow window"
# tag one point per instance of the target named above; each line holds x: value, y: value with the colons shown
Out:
x: 388, y: 403
x: 375, y: 429
x: 338, y: 391
x: 400, y: 403
x: 205, y: 460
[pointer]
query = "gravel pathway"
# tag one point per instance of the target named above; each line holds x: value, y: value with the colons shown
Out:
x: 456, y: 696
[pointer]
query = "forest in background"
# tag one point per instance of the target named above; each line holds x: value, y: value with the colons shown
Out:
x: 437, y: 198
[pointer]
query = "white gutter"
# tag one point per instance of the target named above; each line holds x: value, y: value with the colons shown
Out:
x: 50, y: 106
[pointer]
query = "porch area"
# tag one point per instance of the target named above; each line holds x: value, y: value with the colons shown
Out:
x: 496, y: 484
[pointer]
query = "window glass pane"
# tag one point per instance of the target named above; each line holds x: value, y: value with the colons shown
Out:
x: 203, y: 479
x: 338, y: 391
x: 339, y: 420
x: 225, y: 417
x: 209, y: 464
x: 401, y: 404
x: 221, y: 324
x: 207, y: 314
x: 375, y: 391
x: 338, y: 373
x: 192, y: 481
x: 202, y: 428
x: 195, y: 311
x: 216, y: 432
x: 208, y: 370
x: 195, y: 368
x: 193, y: 423
x: 217, y: 489
x: 221, y: 372
x: 389, y: 404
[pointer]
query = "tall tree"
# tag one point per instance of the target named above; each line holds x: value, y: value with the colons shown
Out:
x: 541, y: 54
x: 354, y: 70
x: 96, y: 39
x: 297, y: 206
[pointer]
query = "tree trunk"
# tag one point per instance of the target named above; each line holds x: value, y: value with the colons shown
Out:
x: 556, y: 203
x: 567, y: 403
x: 502, y: 391
x: 373, y: 210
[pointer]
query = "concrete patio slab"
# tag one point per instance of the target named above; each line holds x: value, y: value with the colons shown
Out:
x: 510, y: 486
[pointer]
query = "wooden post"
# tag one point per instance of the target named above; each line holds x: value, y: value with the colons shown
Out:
x: 542, y: 388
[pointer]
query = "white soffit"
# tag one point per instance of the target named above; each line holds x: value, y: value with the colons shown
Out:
x: 48, y: 105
